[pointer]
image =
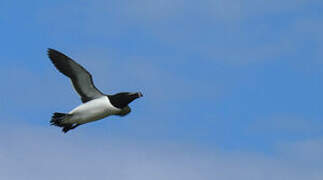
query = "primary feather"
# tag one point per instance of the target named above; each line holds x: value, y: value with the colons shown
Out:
x: 80, y: 77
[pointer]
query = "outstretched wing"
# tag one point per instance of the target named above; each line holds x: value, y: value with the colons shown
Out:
x: 81, y: 78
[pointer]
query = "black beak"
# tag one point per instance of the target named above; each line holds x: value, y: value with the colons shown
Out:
x: 136, y: 94
x: 140, y: 94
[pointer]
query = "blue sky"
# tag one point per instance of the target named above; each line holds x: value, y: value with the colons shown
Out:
x: 232, y: 89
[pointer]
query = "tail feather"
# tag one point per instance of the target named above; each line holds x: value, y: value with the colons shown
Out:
x: 58, y: 120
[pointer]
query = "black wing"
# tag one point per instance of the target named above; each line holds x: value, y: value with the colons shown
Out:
x: 81, y: 78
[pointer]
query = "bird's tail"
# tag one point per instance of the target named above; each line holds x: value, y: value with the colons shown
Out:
x: 57, y: 119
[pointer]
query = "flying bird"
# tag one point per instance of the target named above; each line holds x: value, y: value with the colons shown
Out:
x: 96, y: 105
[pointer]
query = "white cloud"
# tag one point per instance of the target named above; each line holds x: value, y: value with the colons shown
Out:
x: 43, y: 153
x: 308, y: 151
x: 231, y: 32
x: 220, y: 10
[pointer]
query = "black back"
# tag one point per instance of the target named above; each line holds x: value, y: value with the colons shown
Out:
x: 121, y: 100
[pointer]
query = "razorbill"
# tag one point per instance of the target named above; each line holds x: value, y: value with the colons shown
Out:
x: 96, y: 105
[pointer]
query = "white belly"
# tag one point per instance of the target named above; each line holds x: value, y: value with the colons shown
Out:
x: 93, y: 110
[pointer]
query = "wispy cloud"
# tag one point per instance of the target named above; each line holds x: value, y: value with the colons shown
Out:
x: 220, y: 10
x: 74, y: 156
x: 231, y: 32
x: 308, y: 151
x: 183, y: 55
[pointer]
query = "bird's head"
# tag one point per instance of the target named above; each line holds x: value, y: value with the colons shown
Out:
x: 121, y: 100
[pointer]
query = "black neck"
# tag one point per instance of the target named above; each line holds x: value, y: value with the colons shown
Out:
x: 122, y: 100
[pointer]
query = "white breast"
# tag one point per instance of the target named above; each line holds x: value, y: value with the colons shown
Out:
x: 93, y: 110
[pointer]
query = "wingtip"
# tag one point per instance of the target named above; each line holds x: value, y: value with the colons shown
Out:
x: 52, y: 53
x: 50, y: 50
